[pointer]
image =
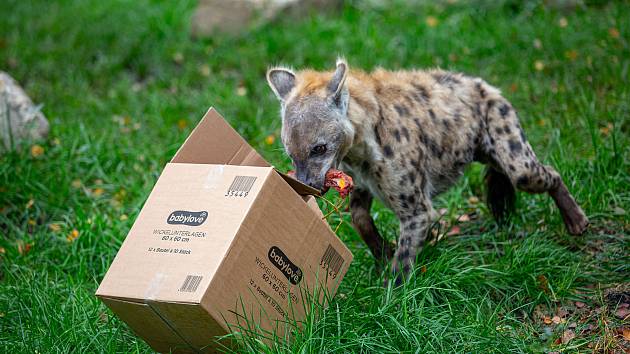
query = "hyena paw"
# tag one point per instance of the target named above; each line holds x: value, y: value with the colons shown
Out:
x: 399, y: 274
x: 575, y: 221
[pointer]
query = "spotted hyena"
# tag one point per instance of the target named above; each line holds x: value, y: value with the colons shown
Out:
x: 406, y: 136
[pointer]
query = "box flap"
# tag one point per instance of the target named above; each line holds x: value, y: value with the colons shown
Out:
x: 299, y: 187
x: 214, y: 141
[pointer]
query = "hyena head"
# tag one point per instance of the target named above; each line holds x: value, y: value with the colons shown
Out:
x: 316, y: 131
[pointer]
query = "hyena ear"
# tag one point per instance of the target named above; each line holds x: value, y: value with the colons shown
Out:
x: 281, y: 81
x: 335, y: 86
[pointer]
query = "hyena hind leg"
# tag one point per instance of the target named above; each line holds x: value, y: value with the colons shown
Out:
x: 514, y: 155
x: 500, y: 194
x: 360, y: 204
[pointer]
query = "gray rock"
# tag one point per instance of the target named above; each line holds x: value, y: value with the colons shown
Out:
x: 235, y: 16
x: 20, y: 120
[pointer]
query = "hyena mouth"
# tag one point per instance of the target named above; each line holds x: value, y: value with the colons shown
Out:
x: 336, y: 179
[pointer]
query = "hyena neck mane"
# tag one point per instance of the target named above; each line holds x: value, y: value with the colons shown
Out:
x: 364, y: 112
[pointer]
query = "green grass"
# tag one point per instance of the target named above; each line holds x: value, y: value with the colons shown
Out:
x: 93, y: 63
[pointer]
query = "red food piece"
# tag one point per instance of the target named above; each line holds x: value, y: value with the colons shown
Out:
x: 336, y: 179
x: 340, y: 181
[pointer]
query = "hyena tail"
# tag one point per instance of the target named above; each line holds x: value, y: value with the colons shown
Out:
x: 500, y: 194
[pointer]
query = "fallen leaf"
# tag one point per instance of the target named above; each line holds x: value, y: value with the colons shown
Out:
x: 443, y: 211
x: 543, y: 283
x: 24, y: 248
x: 613, y: 32
x: 2, y: 250
x: 123, y: 217
x: 31, y: 222
x: 556, y: 319
x: 54, y: 227
x: 97, y: 192
x: 571, y: 54
x: 76, y: 183
x: 182, y: 124
x: 622, y: 313
x: 423, y: 269
x: 626, y: 334
x: 455, y: 230
x: 473, y: 200
x: 73, y: 235
x: 539, y: 65
x: 605, y: 130
x: 431, y: 21
x: 562, y: 22
x: 547, y: 320
x: 567, y: 336
x: 513, y: 87
x: 37, y: 150
x: 270, y: 139
x: 619, y: 211
x: 30, y: 203
x: 463, y: 218
x: 572, y: 325
x: 204, y: 70
x: 178, y: 57
x: 537, y: 43
x: 453, y: 57
x: 241, y: 90
x: 579, y: 304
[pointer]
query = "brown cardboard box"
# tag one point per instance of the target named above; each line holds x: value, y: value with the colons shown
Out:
x: 223, y: 236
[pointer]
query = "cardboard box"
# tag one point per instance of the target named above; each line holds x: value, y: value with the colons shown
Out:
x: 222, y: 237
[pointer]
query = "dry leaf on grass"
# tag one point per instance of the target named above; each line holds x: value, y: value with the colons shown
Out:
x: 455, y: 230
x: 567, y: 336
x: 97, y: 192
x: 24, y: 248
x: 73, y: 235
x: 37, y: 150
x: 622, y: 313
x: 463, y: 218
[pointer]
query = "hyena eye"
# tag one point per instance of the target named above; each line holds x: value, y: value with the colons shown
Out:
x: 318, y: 150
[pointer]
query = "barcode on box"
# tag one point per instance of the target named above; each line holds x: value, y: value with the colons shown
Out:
x: 332, y: 260
x: 191, y: 283
x: 241, y: 186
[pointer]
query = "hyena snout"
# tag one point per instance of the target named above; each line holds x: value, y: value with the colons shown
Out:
x: 313, y: 176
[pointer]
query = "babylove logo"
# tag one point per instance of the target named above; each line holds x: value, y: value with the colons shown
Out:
x: 190, y: 218
x: 282, y: 262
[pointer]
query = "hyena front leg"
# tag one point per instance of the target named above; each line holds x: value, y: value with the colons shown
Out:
x: 360, y: 204
x: 415, y: 221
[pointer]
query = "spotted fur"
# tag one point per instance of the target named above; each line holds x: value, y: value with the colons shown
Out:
x: 406, y: 136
